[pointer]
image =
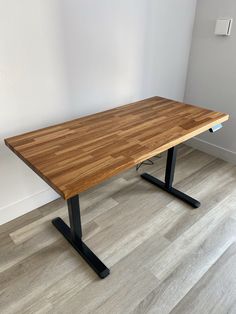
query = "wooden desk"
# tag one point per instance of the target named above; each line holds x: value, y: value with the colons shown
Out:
x: 76, y: 155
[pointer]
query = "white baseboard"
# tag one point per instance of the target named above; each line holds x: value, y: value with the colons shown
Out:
x: 26, y: 205
x: 212, y: 149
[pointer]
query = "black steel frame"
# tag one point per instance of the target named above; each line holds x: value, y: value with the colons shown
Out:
x: 73, y: 235
x: 169, y: 177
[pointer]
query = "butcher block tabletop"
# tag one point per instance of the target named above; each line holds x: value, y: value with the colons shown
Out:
x: 76, y: 155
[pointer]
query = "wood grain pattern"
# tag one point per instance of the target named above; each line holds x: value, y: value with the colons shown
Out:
x: 76, y: 155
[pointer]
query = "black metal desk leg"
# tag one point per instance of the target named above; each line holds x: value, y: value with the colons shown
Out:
x: 169, y: 177
x: 74, y: 217
x: 170, y: 167
x: 73, y: 235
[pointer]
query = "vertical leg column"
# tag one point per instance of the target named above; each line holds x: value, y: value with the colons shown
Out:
x: 73, y: 235
x: 74, y: 217
x: 169, y: 177
x: 170, y: 167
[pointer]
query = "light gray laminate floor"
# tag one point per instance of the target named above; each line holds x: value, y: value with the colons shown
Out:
x: 164, y: 256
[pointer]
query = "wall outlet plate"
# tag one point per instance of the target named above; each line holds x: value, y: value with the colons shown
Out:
x: 223, y: 27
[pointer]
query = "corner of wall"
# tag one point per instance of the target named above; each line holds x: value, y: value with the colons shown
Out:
x: 213, y: 150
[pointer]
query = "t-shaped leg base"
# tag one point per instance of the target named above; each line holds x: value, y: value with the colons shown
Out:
x: 73, y: 235
x: 169, y: 177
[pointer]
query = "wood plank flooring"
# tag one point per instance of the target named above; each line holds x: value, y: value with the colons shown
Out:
x: 164, y: 256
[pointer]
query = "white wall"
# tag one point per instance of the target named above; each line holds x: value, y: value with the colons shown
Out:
x: 212, y: 75
x: 65, y: 58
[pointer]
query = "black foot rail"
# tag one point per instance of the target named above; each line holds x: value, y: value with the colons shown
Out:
x: 73, y: 235
x: 169, y: 177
